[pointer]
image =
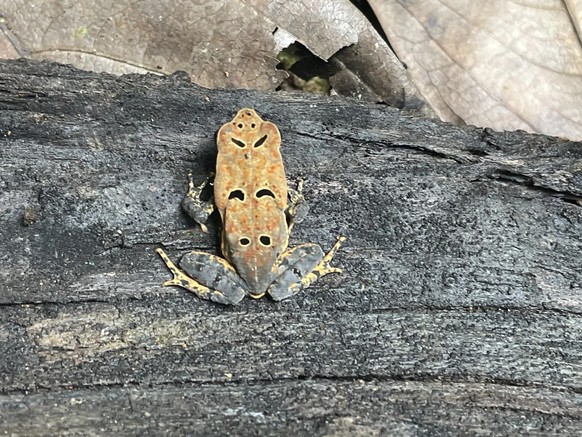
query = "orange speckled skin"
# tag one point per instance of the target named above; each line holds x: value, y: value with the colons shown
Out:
x: 249, y: 160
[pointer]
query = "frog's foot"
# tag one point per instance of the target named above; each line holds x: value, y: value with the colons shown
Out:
x: 194, y: 207
x: 298, y: 207
x: 181, y: 279
x: 323, y: 268
x: 301, y: 266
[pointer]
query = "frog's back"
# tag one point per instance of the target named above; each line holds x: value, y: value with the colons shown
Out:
x: 250, y: 192
x: 249, y: 160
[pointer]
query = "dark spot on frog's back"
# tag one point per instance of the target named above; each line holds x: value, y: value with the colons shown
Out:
x: 265, y: 192
x: 239, y: 143
x: 260, y: 141
x: 237, y: 194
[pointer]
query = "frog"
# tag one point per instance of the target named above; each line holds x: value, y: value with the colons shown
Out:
x: 257, y: 210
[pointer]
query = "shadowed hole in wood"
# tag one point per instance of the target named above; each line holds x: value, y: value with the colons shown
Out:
x: 265, y: 240
x: 244, y: 241
x: 260, y: 141
x: 237, y: 194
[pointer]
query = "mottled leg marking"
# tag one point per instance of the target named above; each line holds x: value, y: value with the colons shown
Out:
x: 298, y: 207
x: 216, y: 273
x: 194, y: 207
x: 182, y: 280
x: 300, y: 267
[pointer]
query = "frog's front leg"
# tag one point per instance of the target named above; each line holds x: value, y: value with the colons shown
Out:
x: 299, y: 267
x: 208, y: 276
x: 196, y: 208
x: 298, y: 207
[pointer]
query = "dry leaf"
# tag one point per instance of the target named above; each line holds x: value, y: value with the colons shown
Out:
x: 220, y: 43
x: 337, y: 31
x: 502, y: 64
x: 7, y: 49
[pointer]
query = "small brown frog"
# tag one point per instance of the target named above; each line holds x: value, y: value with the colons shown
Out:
x: 251, y: 195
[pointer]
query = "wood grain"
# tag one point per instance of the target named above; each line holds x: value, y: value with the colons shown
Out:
x: 459, y: 311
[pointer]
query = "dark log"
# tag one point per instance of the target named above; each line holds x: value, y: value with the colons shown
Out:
x: 459, y: 310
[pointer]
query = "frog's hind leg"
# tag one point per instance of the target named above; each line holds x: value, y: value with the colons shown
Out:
x: 301, y: 266
x: 216, y: 280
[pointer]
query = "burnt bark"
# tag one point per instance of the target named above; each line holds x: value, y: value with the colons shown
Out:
x: 459, y: 310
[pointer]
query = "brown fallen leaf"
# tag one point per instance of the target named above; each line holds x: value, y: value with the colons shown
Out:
x: 220, y: 43
x: 361, y: 63
x: 7, y: 48
x: 503, y: 64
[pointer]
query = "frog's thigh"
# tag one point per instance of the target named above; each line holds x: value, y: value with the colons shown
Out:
x: 294, y: 265
x: 215, y: 273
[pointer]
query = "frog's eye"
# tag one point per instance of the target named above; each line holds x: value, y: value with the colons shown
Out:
x: 265, y: 240
x: 244, y: 241
x: 260, y: 141
x: 237, y: 194
x: 265, y: 192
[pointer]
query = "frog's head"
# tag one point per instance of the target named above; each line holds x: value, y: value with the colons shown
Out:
x: 248, y: 131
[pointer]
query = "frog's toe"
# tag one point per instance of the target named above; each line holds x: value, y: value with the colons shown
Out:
x: 278, y: 293
x: 231, y: 297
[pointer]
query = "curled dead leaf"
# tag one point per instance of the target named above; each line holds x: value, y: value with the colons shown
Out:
x: 505, y: 65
